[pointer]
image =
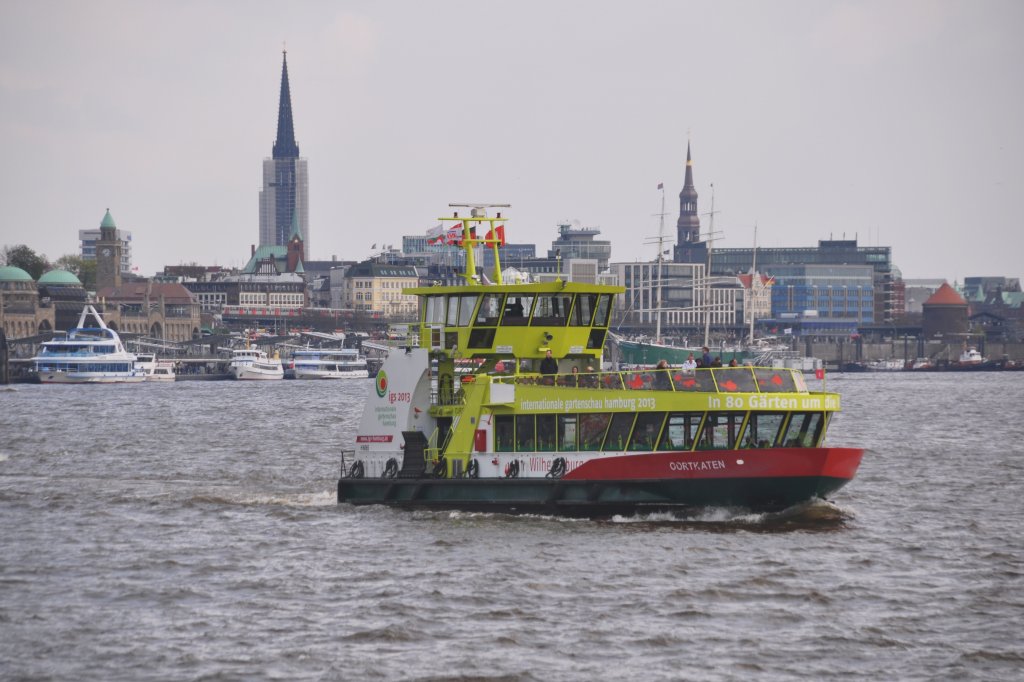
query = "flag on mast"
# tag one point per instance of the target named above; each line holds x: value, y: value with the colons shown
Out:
x: 661, y: 185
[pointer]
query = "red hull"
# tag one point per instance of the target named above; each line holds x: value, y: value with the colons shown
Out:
x: 838, y: 463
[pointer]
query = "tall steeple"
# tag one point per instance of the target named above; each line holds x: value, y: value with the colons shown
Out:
x: 284, y: 199
x: 689, y: 248
x: 285, y: 146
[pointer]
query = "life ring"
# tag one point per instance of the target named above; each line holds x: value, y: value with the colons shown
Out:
x: 390, y: 469
x: 441, y: 468
x: 512, y: 469
x: 472, y: 469
x: 356, y: 470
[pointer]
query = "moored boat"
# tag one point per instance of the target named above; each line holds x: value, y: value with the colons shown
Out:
x: 87, y: 355
x: 329, y: 363
x: 254, y: 364
x: 500, y: 409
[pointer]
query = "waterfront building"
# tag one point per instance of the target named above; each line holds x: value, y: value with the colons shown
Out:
x: 885, y: 287
x: 88, y: 238
x: 284, y: 199
x: 109, y: 254
x: 945, y: 314
x: 376, y: 289
x: 157, y: 310
x: 822, y: 300
x: 916, y: 292
x: 757, y: 296
x: 20, y: 311
x: 580, y: 244
x: 686, y: 298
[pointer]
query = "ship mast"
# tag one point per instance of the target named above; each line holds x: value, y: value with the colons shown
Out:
x: 661, y: 258
x: 753, y: 274
x: 707, y: 275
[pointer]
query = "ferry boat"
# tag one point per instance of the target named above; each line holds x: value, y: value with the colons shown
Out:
x: 334, y: 363
x: 153, y: 369
x: 254, y: 364
x: 468, y: 420
x: 87, y: 355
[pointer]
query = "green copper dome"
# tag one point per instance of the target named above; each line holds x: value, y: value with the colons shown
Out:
x: 10, y: 273
x: 108, y: 220
x: 60, y: 277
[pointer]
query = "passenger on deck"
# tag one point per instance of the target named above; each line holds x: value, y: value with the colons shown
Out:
x: 689, y: 365
x: 549, y: 368
x: 662, y: 378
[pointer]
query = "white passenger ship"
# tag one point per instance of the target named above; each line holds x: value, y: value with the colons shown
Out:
x: 87, y: 355
x: 252, y: 363
x: 334, y: 363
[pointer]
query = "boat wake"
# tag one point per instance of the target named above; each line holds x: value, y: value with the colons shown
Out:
x: 814, y: 515
x: 246, y: 498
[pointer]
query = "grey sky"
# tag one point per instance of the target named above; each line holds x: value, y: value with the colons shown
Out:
x: 898, y: 122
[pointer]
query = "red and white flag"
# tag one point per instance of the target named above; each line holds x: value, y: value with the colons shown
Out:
x: 497, y: 234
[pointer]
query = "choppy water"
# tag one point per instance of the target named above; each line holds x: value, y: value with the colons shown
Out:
x: 189, y: 531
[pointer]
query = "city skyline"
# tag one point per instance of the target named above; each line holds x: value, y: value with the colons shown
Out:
x: 896, y: 124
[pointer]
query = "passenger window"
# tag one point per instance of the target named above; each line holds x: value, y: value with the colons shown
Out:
x: 618, y: 432
x: 681, y: 431
x: 645, y: 433
x: 524, y: 433
x: 504, y: 433
x: 567, y: 432
x: 592, y: 428
x: 763, y: 429
x: 721, y: 429
x: 546, y: 433
x: 804, y: 430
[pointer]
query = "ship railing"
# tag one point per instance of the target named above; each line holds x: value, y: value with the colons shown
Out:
x: 348, y: 458
x: 675, y: 379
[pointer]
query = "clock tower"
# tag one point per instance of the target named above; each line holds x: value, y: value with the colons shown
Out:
x: 108, y: 254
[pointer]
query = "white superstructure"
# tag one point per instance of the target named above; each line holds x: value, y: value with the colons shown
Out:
x: 87, y: 355
x: 335, y: 363
x: 252, y: 363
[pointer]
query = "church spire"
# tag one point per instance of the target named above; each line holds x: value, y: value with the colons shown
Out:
x: 285, y: 146
x: 688, y: 225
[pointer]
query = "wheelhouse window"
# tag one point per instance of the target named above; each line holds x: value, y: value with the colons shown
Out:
x: 681, y: 431
x: 435, y: 311
x: 467, y: 302
x: 490, y: 310
x: 604, y: 307
x: 517, y: 310
x: 583, y: 313
x: 552, y: 310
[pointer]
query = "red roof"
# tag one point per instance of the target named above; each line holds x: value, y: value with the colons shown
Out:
x: 945, y: 295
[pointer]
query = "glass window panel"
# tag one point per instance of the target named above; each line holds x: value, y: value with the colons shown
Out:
x: 490, y: 310
x: 504, y: 433
x: 524, y: 433
x: 645, y: 433
x: 584, y: 310
x: 763, y: 429
x: 552, y: 310
x: 517, y: 310
x: 618, y: 432
x: 467, y: 302
x: 592, y: 428
x: 453, y: 312
x: 604, y: 307
x: 567, y: 432
x: 546, y: 436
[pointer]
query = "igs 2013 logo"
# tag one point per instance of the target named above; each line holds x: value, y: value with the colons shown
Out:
x: 382, y: 384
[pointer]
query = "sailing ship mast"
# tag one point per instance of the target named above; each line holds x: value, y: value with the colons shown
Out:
x: 707, y: 275
x: 661, y: 258
x: 753, y: 274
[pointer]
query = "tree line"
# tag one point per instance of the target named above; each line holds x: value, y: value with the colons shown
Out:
x: 36, y: 264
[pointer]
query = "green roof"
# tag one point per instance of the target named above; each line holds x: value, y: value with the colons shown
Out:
x: 108, y: 220
x: 59, y: 277
x: 10, y: 273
